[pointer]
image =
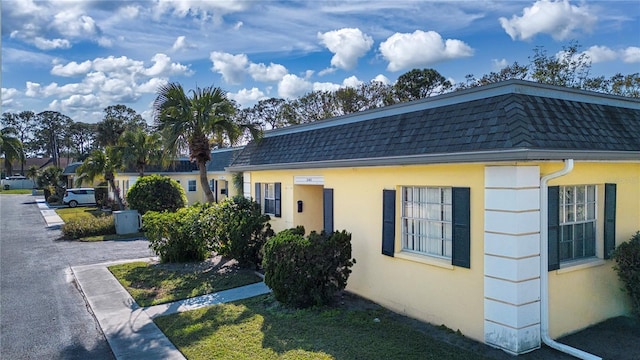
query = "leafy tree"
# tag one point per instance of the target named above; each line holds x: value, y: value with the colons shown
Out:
x: 117, y: 119
x: 51, y: 129
x: 513, y: 71
x: 82, y: 139
x: 568, y: 68
x: 156, y: 193
x: 418, y: 84
x: 52, y: 181
x: 23, y: 124
x: 103, y: 163
x: 193, y: 121
x: 10, y: 148
x: 140, y: 149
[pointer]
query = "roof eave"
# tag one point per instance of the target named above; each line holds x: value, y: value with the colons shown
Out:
x: 451, y: 158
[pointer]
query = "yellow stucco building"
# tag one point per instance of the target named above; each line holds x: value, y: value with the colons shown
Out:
x: 491, y: 210
x: 186, y: 173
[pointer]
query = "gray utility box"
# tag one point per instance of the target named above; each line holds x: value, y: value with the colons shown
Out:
x: 127, y: 221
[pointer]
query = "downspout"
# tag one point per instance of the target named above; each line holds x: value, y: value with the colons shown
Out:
x: 544, y: 268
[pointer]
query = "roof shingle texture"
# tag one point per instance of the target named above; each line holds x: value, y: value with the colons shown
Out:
x: 510, y: 121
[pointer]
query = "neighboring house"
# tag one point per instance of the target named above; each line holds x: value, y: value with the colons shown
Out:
x: 480, y: 209
x: 40, y: 162
x: 186, y: 173
x: 69, y: 173
x: 220, y: 180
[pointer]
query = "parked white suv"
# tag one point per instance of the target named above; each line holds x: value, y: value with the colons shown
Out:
x: 79, y: 196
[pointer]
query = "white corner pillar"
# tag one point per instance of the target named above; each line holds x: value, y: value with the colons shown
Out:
x: 512, y: 258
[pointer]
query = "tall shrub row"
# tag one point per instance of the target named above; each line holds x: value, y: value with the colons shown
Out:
x: 307, y: 271
x: 236, y: 228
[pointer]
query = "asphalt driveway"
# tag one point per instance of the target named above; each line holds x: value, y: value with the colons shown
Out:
x: 42, y: 313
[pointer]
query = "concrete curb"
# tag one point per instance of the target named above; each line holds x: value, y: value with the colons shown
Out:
x: 53, y: 220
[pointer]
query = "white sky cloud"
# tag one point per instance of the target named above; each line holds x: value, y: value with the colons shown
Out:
x: 347, y: 45
x: 382, y: 79
x: 8, y: 95
x: 498, y: 65
x: 292, y: 86
x: 631, y: 54
x: 46, y: 44
x: 231, y: 67
x: 247, y: 97
x: 352, y: 81
x: 181, y: 43
x: 264, y: 73
x: 421, y: 49
x: 73, y: 23
x: 71, y: 69
x: 599, y: 54
x: 559, y: 19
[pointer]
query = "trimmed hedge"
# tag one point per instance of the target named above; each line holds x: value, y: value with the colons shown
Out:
x: 307, y: 271
x: 85, y: 227
x: 181, y: 236
x: 156, y: 193
x: 627, y: 257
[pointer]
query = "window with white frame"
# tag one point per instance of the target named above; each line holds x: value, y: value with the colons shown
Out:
x: 427, y: 220
x: 577, y: 222
x: 269, y: 198
x: 191, y: 185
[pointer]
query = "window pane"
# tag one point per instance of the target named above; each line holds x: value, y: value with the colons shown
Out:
x: 569, y: 214
x: 580, y: 212
x: 580, y: 195
x: 448, y: 244
x: 423, y: 230
x: 591, y: 193
x: 568, y: 195
x: 590, y: 239
x: 591, y: 211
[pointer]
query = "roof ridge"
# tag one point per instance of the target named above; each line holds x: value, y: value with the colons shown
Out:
x: 518, y: 123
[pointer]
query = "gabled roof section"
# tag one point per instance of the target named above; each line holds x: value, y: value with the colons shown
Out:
x: 71, y: 168
x: 512, y: 120
x: 221, y: 158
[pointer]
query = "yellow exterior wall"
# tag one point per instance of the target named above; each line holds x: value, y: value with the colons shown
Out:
x: 311, y: 216
x: 436, y: 293
x: 586, y: 296
x: 223, y: 179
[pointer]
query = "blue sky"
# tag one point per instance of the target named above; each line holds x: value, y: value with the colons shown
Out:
x: 78, y: 57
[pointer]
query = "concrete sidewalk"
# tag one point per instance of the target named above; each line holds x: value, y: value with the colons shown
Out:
x: 50, y: 216
x: 129, y: 329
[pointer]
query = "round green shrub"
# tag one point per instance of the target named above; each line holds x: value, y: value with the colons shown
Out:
x: 156, y: 193
x: 242, y: 231
x: 307, y: 271
x: 627, y: 257
x: 181, y: 236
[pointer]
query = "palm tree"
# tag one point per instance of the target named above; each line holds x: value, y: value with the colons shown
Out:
x: 140, y: 149
x: 32, y: 173
x: 102, y: 163
x: 10, y: 148
x: 193, y: 121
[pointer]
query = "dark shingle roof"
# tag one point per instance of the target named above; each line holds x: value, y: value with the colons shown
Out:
x: 525, y: 120
x: 221, y: 158
x: 176, y: 166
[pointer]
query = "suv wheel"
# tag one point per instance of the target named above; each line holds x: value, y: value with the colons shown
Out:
x: 73, y: 203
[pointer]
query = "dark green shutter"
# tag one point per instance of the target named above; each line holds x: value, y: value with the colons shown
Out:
x: 278, y: 200
x: 258, y: 193
x: 327, y: 210
x: 609, y: 219
x: 461, y: 210
x: 388, y: 222
x: 553, y: 236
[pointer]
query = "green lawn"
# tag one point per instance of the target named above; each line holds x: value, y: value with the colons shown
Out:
x: 68, y: 213
x: 14, y: 191
x: 259, y: 328
x: 156, y: 284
